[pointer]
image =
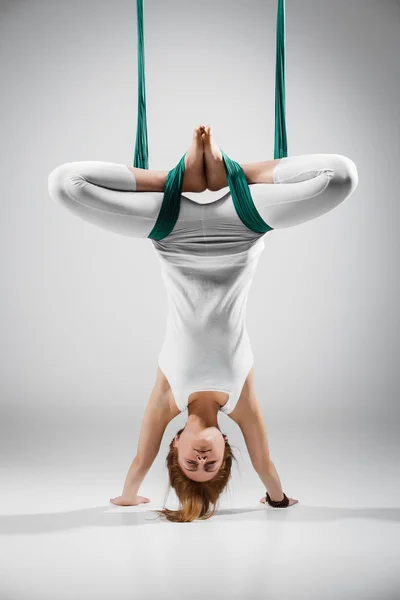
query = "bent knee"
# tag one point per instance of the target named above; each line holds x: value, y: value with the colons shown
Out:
x: 58, y: 179
x: 345, y: 173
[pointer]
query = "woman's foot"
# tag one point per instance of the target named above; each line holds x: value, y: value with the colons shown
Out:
x: 194, y: 179
x: 214, y: 164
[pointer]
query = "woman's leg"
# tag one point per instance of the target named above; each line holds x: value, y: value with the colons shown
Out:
x: 194, y: 178
x: 306, y: 186
x: 148, y: 180
x: 258, y: 172
x: 105, y: 195
x: 119, y: 198
x: 321, y: 181
x: 123, y: 199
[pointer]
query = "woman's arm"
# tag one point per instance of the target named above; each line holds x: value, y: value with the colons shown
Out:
x: 251, y: 423
x: 155, y: 420
x: 270, y: 478
x: 134, y: 479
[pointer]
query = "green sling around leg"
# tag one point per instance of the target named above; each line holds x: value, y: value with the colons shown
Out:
x: 237, y: 181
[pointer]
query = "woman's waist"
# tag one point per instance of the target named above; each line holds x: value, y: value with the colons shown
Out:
x: 206, y: 354
x: 212, y: 339
x: 205, y: 327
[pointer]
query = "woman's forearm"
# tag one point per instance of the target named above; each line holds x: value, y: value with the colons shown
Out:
x: 137, y: 472
x: 270, y: 478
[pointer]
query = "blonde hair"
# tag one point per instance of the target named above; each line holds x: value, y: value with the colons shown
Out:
x: 198, y: 499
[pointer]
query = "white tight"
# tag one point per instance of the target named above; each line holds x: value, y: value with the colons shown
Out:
x: 103, y: 193
x: 322, y: 182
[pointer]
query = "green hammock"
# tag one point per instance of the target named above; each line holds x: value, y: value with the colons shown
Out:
x: 237, y: 182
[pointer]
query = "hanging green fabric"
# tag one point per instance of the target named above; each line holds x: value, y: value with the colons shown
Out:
x: 141, y: 159
x: 237, y: 181
x: 280, y: 149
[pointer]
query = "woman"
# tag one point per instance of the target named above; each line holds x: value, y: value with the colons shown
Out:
x: 207, y: 263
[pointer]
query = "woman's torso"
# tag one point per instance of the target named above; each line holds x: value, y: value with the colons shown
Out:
x: 207, y: 264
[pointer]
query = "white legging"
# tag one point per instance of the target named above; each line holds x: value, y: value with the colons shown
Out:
x: 103, y: 193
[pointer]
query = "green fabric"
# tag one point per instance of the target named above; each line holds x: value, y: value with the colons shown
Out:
x: 241, y: 196
x: 171, y: 204
x: 237, y: 182
x: 280, y: 148
x: 141, y: 159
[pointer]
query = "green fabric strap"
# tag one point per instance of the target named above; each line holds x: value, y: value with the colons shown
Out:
x: 171, y: 204
x: 141, y: 159
x: 237, y: 182
x: 280, y: 148
x: 241, y: 196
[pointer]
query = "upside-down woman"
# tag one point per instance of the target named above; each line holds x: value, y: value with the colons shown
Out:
x: 205, y: 365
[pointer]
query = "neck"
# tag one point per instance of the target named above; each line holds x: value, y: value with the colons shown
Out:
x: 203, y: 410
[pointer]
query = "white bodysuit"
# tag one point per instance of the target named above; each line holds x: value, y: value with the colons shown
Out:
x: 209, y: 259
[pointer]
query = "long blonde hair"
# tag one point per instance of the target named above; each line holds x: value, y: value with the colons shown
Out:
x: 198, y: 499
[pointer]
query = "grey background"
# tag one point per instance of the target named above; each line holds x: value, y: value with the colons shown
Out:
x: 83, y: 310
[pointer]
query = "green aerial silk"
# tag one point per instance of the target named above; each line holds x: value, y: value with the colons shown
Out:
x: 237, y: 182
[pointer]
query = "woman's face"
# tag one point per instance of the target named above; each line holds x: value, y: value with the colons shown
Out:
x: 201, y: 452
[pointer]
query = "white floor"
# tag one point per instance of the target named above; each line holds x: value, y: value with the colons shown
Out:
x: 62, y: 539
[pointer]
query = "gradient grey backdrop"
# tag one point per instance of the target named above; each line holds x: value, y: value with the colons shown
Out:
x: 83, y: 310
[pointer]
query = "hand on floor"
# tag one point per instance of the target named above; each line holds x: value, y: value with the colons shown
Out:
x: 129, y: 500
x: 291, y: 501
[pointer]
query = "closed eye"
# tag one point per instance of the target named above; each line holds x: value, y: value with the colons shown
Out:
x: 191, y: 462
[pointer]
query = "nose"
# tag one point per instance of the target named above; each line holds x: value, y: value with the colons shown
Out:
x: 202, y: 456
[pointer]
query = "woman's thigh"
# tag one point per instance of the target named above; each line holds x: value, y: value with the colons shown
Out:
x: 103, y: 194
x: 305, y: 187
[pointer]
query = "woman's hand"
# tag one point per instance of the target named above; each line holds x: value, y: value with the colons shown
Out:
x: 291, y: 501
x: 134, y: 478
x: 129, y: 500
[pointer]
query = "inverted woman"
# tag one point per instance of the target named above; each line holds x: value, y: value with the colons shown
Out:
x: 205, y: 364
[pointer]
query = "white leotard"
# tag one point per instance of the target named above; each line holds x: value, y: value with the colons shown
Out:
x: 209, y: 259
x: 206, y: 345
